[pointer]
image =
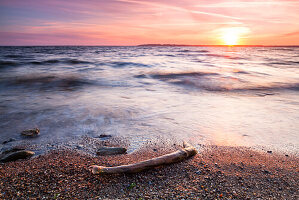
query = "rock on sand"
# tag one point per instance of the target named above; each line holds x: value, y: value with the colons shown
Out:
x: 111, y: 151
x: 30, y: 132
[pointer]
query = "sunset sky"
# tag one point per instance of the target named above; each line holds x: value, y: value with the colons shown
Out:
x: 133, y: 22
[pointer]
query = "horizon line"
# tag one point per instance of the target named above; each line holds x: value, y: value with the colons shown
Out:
x: 142, y: 45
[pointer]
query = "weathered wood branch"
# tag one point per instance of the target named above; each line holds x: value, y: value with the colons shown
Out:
x: 174, y: 157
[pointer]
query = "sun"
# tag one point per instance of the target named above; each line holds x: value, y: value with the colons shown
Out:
x: 230, y: 37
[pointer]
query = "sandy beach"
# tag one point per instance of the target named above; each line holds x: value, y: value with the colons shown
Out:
x: 216, y: 172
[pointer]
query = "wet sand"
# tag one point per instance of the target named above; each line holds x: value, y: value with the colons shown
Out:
x: 215, y: 173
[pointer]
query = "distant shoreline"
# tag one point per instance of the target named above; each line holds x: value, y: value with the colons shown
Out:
x: 186, y: 45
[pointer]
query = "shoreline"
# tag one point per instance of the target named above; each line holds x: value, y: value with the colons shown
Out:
x: 216, y: 172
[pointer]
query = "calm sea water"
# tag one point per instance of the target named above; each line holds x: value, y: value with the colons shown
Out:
x: 238, y: 96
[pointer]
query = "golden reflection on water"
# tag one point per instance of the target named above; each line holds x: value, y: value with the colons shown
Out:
x: 223, y: 138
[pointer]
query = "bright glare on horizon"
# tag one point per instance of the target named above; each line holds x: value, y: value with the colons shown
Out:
x: 230, y: 38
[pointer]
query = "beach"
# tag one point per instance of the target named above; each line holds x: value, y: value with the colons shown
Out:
x: 149, y: 99
x: 238, y: 106
x: 216, y: 172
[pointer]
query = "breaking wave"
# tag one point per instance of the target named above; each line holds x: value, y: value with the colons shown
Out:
x: 126, y: 64
x: 47, y: 82
x: 211, y: 81
x: 60, y: 61
x: 6, y: 64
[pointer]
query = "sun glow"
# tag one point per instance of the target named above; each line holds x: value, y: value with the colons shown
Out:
x: 230, y: 38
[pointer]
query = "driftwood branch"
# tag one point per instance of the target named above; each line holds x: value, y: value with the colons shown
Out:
x: 174, y: 157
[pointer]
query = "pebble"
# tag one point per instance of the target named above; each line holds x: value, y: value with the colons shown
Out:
x: 13, y: 156
x: 111, y: 151
x: 266, y: 171
x: 30, y: 132
x: 104, y: 136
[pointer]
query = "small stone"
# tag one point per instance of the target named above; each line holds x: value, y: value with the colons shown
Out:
x: 30, y: 132
x: 266, y: 171
x: 104, y: 151
x: 198, y: 172
x: 13, y: 156
x: 104, y: 136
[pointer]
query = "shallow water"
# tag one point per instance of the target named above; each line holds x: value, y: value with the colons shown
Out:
x: 237, y: 96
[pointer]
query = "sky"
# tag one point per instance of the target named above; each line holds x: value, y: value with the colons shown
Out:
x: 134, y: 22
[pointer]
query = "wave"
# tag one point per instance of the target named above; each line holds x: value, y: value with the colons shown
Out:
x: 211, y: 81
x: 140, y: 76
x: 283, y: 49
x: 280, y: 63
x: 47, y: 82
x: 223, y: 56
x: 215, y: 86
x: 193, y: 51
x: 57, y: 61
x: 14, y: 56
x: 183, y: 74
x: 168, y: 55
x: 240, y: 72
x: 5, y: 64
x: 105, y: 50
x: 127, y: 64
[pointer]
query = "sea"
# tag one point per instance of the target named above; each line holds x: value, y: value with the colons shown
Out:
x: 227, y: 96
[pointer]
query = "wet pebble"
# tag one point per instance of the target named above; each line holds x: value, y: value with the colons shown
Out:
x: 111, y: 151
x: 31, y: 132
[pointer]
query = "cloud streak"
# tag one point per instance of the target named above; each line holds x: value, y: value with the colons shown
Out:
x: 178, y: 8
x: 246, y: 4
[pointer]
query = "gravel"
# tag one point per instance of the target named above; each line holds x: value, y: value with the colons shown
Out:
x: 215, y: 173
